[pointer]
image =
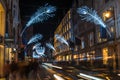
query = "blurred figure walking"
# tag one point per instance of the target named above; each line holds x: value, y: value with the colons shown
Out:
x: 7, y: 70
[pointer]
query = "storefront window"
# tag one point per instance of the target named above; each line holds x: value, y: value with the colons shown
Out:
x: 63, y: 58
x: 67, y: 58
x: 105, y: 55
x: 75, y: 56
x: 82, y: 56
x: 88, y: 57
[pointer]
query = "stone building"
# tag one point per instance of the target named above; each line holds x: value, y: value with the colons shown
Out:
x: 96, y: 47
x: 63, y: 52
x: 2, y: 34
x: 9, y: 31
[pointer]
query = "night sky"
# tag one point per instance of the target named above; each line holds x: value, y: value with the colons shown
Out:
x: 47, y: 28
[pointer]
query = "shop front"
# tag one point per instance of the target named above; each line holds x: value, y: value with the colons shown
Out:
x: 2, y: 33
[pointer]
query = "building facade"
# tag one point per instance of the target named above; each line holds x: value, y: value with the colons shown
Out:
x: 63, y: 52
x: 84, y: 35
x: 95, y: 47
x: 2, y: 34
x: 109, y: 11
x: 13, y: 29
x: 9, y: 31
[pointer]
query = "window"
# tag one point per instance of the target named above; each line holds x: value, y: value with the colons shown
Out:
x: 69, y: 25
x: 112, y: 31
x: 82, y: 43
x: 91, y: 39
x: 108, y: 14
x: 69, y: 15
x: 105, y: 55
x: 99, y: 39
x: 69, y: 34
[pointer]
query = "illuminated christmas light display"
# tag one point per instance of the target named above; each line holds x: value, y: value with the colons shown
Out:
x: 40, y: 50
x: 35, y: 38
x: 90, y: 15
x: 36, y: 45
x: 35, y: 55
x: 61, y: 39
x: 49, y: 45
x: 42, y: 14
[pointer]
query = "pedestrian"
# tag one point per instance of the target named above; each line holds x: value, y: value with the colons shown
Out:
x: 13, y: 66
x: 110, y: 66
x: 7, y: 70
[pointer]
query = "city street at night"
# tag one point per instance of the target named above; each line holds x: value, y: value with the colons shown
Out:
x: 49, y: 71
x: 59, y: 39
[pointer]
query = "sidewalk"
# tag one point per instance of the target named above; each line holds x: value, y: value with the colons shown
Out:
x: 2, y: 79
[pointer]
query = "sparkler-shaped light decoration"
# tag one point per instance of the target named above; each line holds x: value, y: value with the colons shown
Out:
x: 40, y: 50
x: 49, y: 45
x: 61, y: 39
x: 35, y: 38
x: 90, y: 15
x: 42, y: 14
x: 35, y: 55
x: 36, y: 45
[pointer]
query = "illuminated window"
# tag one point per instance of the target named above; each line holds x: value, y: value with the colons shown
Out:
x: 63, y: 58
x: 69, y: 34
x: 108, y: 14
x: 88, y: 57
x: 99, y: 39
x: 82, y: 43
x: 69, y: 25
x: 75, y: 56
x: 82, y: 56
x: 67, y: 58
x: 69, y: 15
x: 76, y: 48
x: 91, y: 39
x: 112, y: 29
x: 105, y: 55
